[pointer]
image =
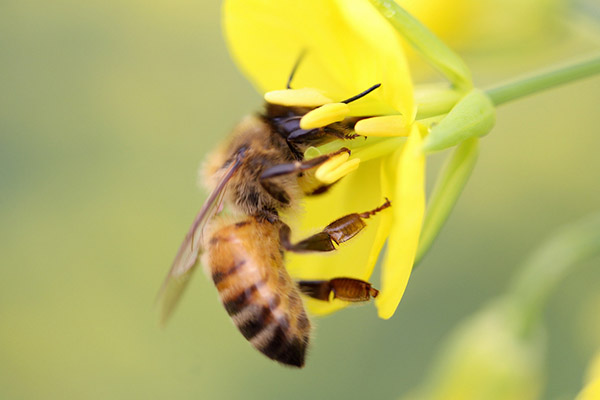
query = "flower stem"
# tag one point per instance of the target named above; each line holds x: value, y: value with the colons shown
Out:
x: 545, y: 80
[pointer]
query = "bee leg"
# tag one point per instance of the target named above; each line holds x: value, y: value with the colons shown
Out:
x: 298, y: 166
x: 346, y: 289
x: 318, y: 242
x: 339, y: 231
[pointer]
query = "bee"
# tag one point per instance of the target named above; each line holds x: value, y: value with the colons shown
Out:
x: 258, y: 174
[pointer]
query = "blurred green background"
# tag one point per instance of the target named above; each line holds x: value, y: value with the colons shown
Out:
x: 107, y: 109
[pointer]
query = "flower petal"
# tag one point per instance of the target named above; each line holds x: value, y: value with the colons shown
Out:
x: 357, y: 192
x: 408, y: 205
x: 433, y: 50
x: 349, y: 47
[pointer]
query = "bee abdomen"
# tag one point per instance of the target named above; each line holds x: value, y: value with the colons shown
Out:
x: 276, y: 343
x: 273, y: 328
x: 246, y: 265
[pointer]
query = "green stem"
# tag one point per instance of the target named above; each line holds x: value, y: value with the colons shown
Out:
x: 448, y: 187
x: 546, y: 80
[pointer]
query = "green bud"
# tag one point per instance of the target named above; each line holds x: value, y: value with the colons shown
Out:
x: 485, y: 358
x: 433, y: 50
x: 473, y: 116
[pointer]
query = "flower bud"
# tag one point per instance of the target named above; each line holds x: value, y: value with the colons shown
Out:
x: 487, y: 359
x: 473, y: 116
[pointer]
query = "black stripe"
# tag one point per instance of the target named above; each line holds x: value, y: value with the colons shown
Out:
x: 290, y: 352
x: 237, y: 304
x: 294, y: 353
x: 276, y: 343
x: 218, y: 276
x: 259, y: 320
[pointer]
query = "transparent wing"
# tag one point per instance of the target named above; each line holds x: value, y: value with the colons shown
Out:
x: 187, y: 257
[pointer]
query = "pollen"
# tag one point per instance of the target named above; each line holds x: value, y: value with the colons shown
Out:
x: 386, y: 126
x: 336, y: 168
x: 306, y: 97
x: 324, y: 115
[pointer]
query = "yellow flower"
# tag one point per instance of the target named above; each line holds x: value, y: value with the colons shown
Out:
x: 489, y: 25
x: 591, y: 390
x: 348, y: 47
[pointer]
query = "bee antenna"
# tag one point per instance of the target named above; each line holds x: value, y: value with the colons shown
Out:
x: 295, y: 68
x: 362, y: 94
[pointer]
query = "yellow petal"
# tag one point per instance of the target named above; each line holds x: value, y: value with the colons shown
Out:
x: 324, y: 115
x: 306, y: 97
x: 383, y: 43
x: 357, y: 192
x: 349, y: 47
x: 408, y: 206
x: 430, y: 47
x: 591, y: 391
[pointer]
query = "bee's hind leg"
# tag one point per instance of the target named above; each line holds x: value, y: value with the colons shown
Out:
x: 339, y: 231
x: 346, y: 289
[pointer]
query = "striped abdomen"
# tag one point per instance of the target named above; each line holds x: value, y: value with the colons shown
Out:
x: 246, y: 265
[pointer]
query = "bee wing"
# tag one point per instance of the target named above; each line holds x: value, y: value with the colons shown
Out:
x: 187, y: 257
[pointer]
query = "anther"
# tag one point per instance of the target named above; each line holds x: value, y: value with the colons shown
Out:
x: 386, y: 126
x: 336, y: 168
x: 324, y: 115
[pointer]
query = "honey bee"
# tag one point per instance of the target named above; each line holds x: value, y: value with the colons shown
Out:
x: 257, y: 174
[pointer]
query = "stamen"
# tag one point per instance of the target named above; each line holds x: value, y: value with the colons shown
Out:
x: 386, y: 126
x: 361, y: 94
x: 336, y: 168
x: 380, y: 148
x: 331, y: 164
x: 295, y: 68
x: 306, y: 97
x: 324, y: 115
